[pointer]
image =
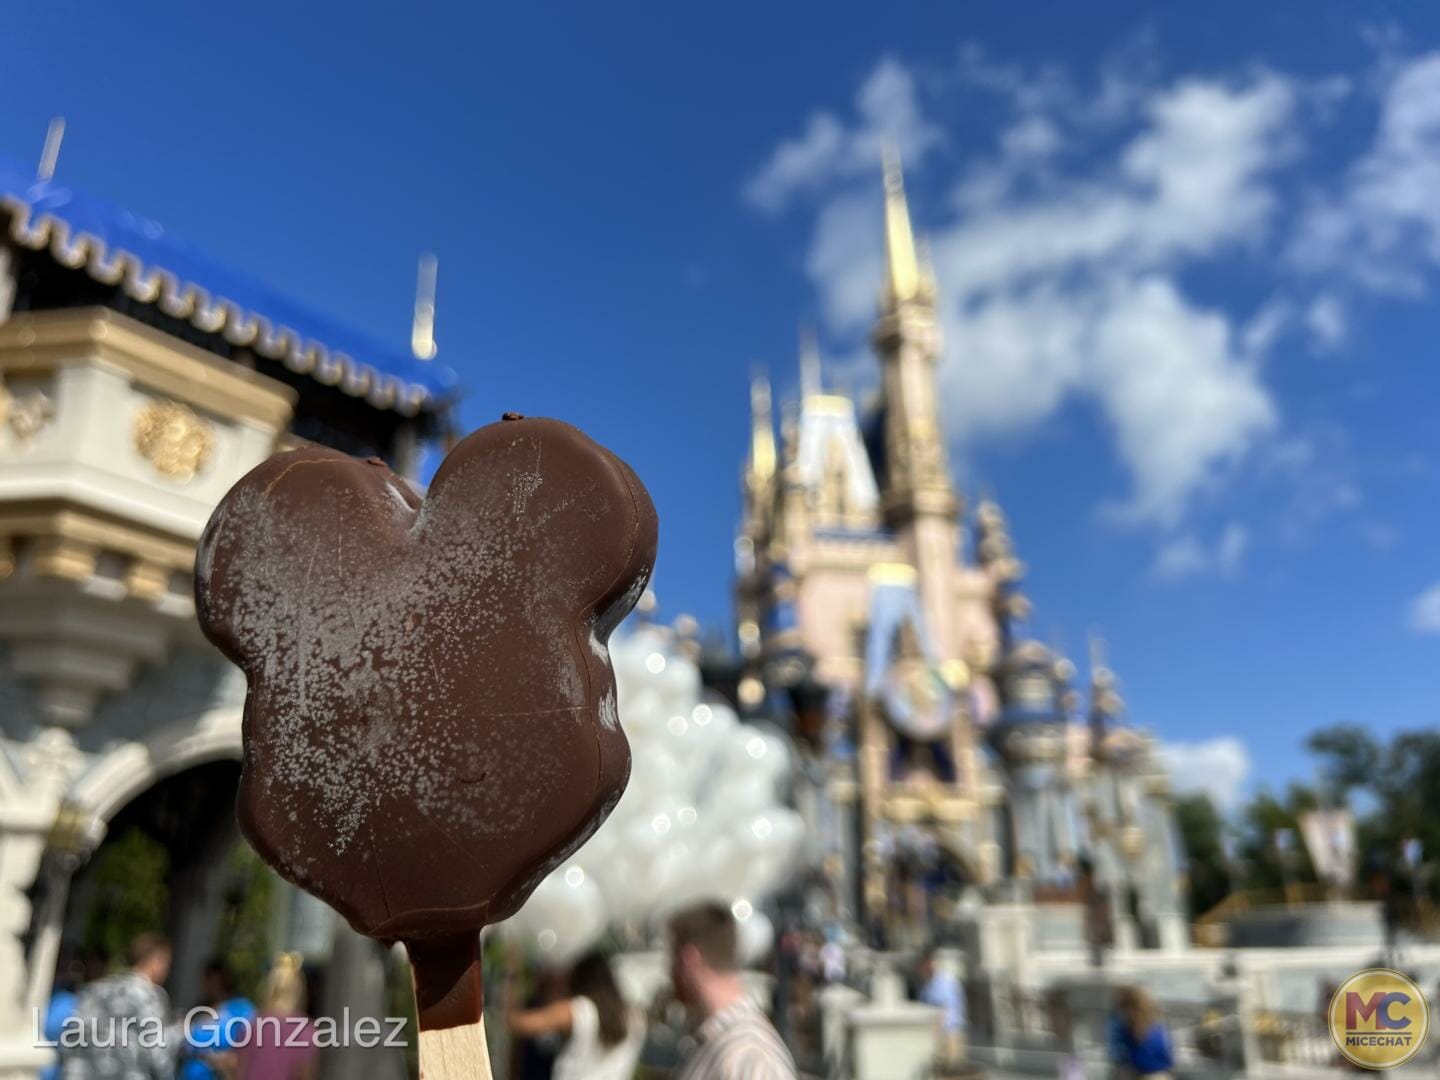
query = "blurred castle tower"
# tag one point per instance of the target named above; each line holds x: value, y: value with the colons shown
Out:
x: 949, y: 750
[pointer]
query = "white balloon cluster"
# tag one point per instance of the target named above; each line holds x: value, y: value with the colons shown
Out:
x: 700, y: 819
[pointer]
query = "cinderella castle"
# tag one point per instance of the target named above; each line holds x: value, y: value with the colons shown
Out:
x: 949, y: 752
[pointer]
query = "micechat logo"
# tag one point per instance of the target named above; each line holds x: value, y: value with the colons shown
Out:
x: 1379, y: 1018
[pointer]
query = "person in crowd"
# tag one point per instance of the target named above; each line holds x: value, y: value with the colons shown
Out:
x: 64, y: 1001
x: 734, y: 1040
x: 282, y: 1040
x: 1139, y: 1043
x: 124, y: 1017
x: 1095, y: 903
x: 603, y: 1034
x: 940, y: 986
x: 94, y: 965
x: 212, y: 1031
x: 534, y: 1058
x: 832, y: 959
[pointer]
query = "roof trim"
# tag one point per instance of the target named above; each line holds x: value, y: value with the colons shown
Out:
x: 40, y: 228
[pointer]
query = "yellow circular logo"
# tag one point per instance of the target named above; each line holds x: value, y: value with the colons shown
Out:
x: 1379, y: 1018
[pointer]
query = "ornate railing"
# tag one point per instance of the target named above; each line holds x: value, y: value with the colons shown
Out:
x: 1294, y: 1038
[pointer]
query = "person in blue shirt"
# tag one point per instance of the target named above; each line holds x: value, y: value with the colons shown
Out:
x: 941, y: 987
x: 63, y: 1004
x: 1139, y: 1043
x: 210, y: 1038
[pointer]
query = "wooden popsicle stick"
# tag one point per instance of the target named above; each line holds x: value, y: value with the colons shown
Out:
x: 449, y: 1007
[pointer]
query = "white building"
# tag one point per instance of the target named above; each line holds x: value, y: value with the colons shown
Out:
x: 138, y: 381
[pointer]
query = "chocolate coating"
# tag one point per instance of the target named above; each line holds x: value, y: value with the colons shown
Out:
x: 431, y: 723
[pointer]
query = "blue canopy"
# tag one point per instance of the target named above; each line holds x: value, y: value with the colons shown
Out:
x: 117, y: 247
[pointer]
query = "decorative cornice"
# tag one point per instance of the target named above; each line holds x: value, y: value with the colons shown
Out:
x: 45, y: 340
x: 64, y: 557
x: 72, y: 529
x: 147, y: 580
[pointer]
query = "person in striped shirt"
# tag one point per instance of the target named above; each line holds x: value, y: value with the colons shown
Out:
x: 734, y: 1040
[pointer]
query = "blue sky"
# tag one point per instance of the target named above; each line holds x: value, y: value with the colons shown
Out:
x: 1188, y: 258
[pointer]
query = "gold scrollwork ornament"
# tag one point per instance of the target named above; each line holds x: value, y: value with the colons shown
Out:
x: 173, y: 439
x: 26, y: 414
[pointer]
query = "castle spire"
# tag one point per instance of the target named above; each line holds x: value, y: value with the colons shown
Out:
x: 760, y: 469
x: 810, y: 381
x: 907, y: 277
x: 918, y: 495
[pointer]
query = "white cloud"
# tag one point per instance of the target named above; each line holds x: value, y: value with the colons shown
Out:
x: 1425, y: 611
x: 1067, y: 288
x: 886, y: 109
x: 1033, y: 137
x: 1182, y: 557
x: 1182, y: 403
x: 1215, y: 767
x: 1326, y: 321
x: 1264, y: 328
x: 1383, y: 226
x: 1231, y: 550
x: 1378, y: 535
x: 1313, y: 475
x: 1186, y: 556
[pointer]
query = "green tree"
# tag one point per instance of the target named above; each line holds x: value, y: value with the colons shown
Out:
x: 130, y: 893
x: 244, y: 936
x: 1350, y: 758
x: 1400, y: 782
x: 1261, y: 821
x: 1201, y: 829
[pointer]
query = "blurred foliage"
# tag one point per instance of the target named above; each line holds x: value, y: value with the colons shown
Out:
x: 1399, y: 783
x: 244, y: 937
x: 130, y: 896
x: 1260, y: 856
x: 1394, y: 788
x: 1200, y: 828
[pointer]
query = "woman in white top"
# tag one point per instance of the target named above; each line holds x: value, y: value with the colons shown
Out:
x: 603, y: 1034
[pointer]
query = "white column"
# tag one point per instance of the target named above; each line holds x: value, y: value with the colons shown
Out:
x: 49, y: 923
x: 355, y: 980
x: 28, y: 808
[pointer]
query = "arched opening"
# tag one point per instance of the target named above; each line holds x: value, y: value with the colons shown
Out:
x: 173, y: 862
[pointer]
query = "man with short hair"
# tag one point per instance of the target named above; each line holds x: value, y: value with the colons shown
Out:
x: 736, y: 1041
x: 124, y: 1021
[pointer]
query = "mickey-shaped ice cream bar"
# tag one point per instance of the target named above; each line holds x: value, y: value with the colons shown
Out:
x: 431, y: 725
